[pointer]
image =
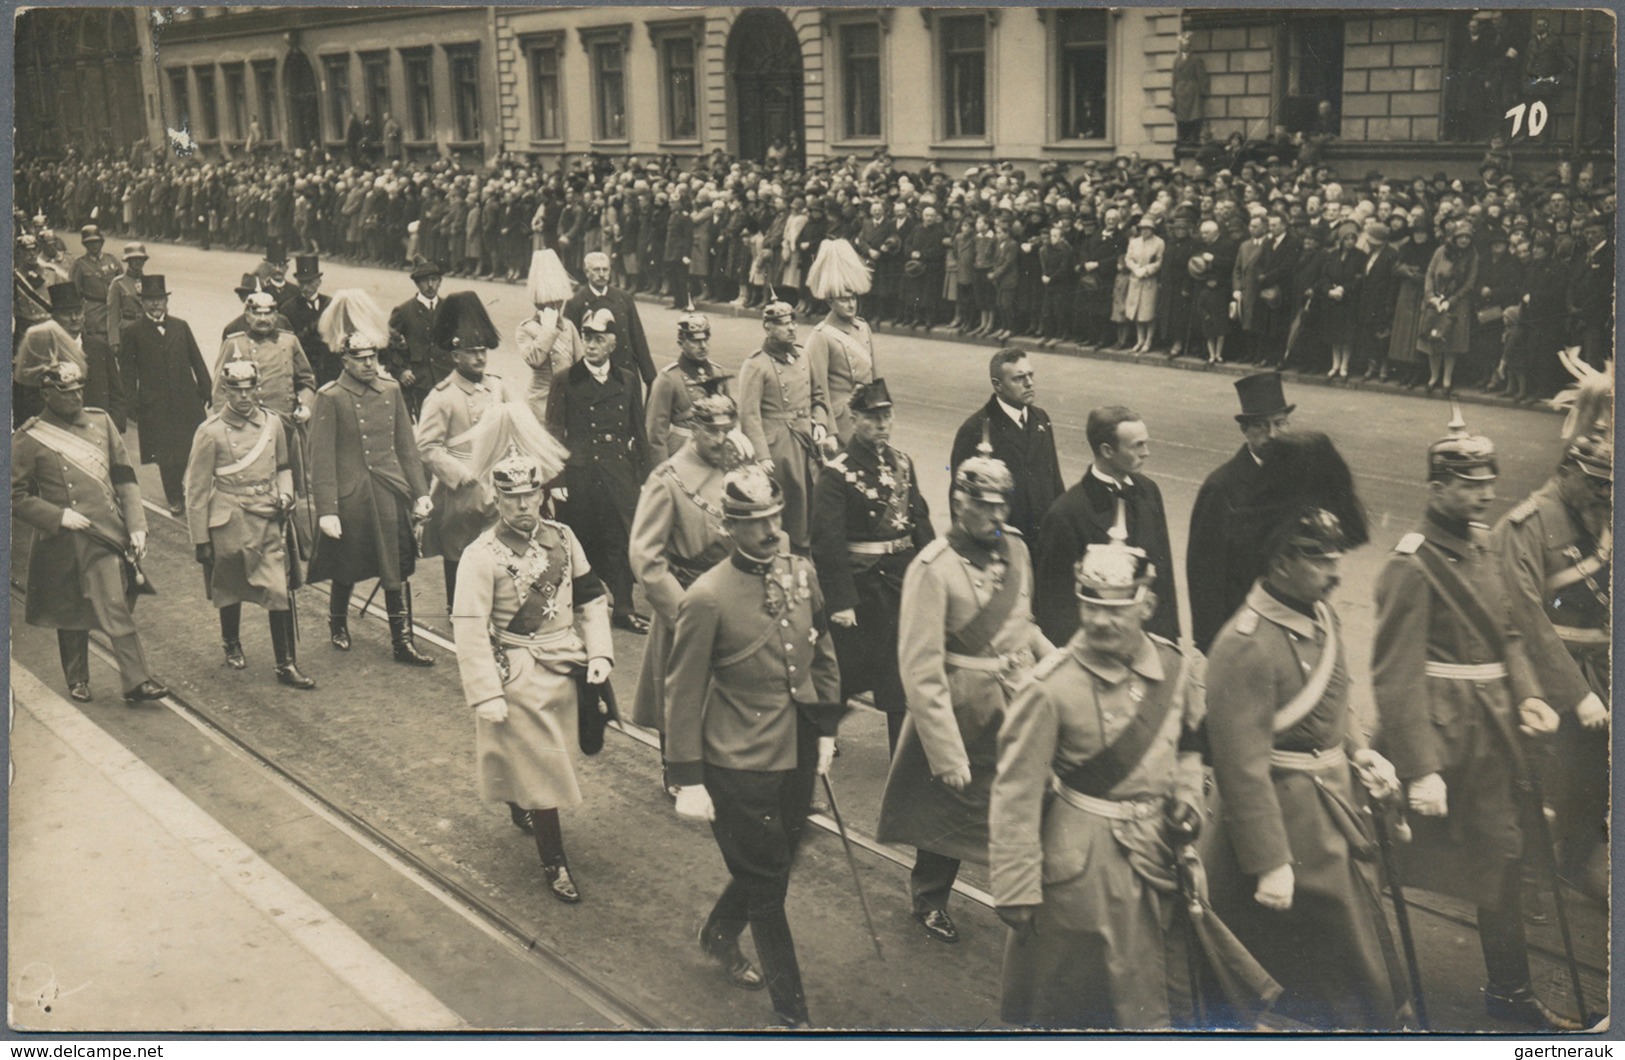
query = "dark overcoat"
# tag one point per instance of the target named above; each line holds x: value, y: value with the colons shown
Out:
x: 169, y: 386
x: 1028, y: 452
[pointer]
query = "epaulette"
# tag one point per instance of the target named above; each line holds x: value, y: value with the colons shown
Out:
x: 1247, y: 622
x: 1008, y: 529
x: 838, y: 462
x: 1157, y: 638
x: 670, y: 367
x: 325, y: 387
x: 937, y: 547
x: 27, y: 424
x: 234, y: 335
x: 1409, y: 544
x: 443, y: 384
x: 1524, y: 510
x: 1050, y: 663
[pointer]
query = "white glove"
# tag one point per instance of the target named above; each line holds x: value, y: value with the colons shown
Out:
x: 598, y: 669
x: 329, y: 525
x: 1593, y: 714
x: 1275, y: 889
x: 1536, y: 717
x: 694, y: 803
x: 1428, y: 796
x: 138, y: 541
x: 560, y: 494
x: 422, y: 508
x: 1377, y: 774
x: 847, y: 617
x: 301, y: 414
x: 958, y: 780
x: 493, y: 710
x: 72, y: 520
x: 826, y: 754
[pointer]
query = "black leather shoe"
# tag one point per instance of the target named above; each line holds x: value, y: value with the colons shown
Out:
x: 561, y: 884
x: 1522, y: 1006
x: 407, y: 652
x: 631, y: 620
x: 79, y: 692
x: 735, y: 965
x: 145, y: 692
x: 791, y: 1022
x: 289, y: 674
x: 338, y: 632
x: 938, y: 924
x: 520, y: 817
x: 234, y: 655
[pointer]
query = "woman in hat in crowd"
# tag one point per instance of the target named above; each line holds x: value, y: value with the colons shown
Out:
x: 1143, y: 263
x: 1339, y: 296
x: 1416, y: 247
x: 1210, y: 269
x: 1447, y: 305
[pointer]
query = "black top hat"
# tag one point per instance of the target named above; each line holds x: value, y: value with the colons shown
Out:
x: 307, y: 267
x: 423, y: 268
x: 1261, y: 395
x: 871, y: 397
x: 153, y: 287
x: 65, y: 298
x: 276, y: 253
x: 461, y: 323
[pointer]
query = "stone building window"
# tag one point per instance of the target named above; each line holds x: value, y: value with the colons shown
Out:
x: 465, y: 91
x: 180, y: 99
x: 679, y: 86
x: 419, y: 94
x: 860, y: 80
x: 375, y: 82
x: 1082, y: 65
x: 265, y: 91
x: 337, y: 68
x: 236, y: 101
x: 546, y: 108
x: 963, y: 48
x: 608, y: 59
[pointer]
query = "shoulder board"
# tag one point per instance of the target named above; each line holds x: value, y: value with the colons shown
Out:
x: 1524, y: 510
x: 213, y: 416
x: 1012, y: 531
x: 937, y: 547
x: 1247, y: 622
x: 1159, y: 639
x: 838, y: 463
x: 327, y: 386
x: 672, y: 367
x: 235, y: 335
x: 27, y: 424
x: 1409, y: 544
x: 555, y: 524
x: 443, y: 384
x: 1050, y: 663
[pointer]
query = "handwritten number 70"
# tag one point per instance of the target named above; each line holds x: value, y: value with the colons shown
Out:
x: 1537, y: 117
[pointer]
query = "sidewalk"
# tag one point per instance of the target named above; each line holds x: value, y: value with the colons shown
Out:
x: 99, y: 939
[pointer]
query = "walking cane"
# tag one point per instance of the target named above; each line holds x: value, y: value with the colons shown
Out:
x: 1402, y: 914
x: 1532, y: 784
x: 851, y: 862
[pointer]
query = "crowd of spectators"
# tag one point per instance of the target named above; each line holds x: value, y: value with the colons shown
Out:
x: 1256, y: 251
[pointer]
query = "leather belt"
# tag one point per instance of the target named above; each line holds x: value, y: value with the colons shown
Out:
x: 880, y: 548
x: 787, y: 417
x: 238, y: 489
x: 1581, y: 637
x: 1308, y: 761
x: 535, y: 640
x: 1467, y: 671
x: 1127, y: 810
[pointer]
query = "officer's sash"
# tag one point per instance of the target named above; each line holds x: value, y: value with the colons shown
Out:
x: 974, y: 637
x: 1589, y: 567
x: 1309, y: 696
x: 268, y: 433
x: 1100, y: 774
x: 1460, y: 597
x: 76, y: 451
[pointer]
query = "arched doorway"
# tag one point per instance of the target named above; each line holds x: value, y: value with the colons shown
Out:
x: 304, y: 105
x: 764, y: 64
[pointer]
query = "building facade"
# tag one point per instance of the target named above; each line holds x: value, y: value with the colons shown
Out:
x: 957, y: 85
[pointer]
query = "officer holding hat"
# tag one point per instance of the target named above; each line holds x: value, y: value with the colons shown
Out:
x: 239, y: 497
x: 72, y: 482
x: 752, y: 701
x: 1455, y: 695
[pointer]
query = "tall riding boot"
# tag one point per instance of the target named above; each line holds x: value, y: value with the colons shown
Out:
x: 400, y: 628
x: 282, y: 637
x: 231, y: 619
x: 550, y: 845
x: 338, y: 616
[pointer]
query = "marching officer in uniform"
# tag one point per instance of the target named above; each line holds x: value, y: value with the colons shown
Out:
x: 784, y: 412
x: 668, y: 421
x: 463, y: 508
x: 1556, y: 550
x: 531, y: 634
x: 169, y: 386
x: 841, y: 348
x: 92, y: 272
x: 966, y: 641
x: 1284, y: 742
x: 303, y: 310
x: 631, y: 352
x: 869, y: 522
x: 30, y: 304
x: 73, y: 484
x: 287, y: 383
x: 596, y: 410
x: 1454, y: 688
x: 1098, y: 782
x: 369, y: 489
x: 124, y: 299
x: 239, y: 323
x: 414, y: 359
x: 677, y: 535
x: 239, y: 497
x: 748, y: 726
